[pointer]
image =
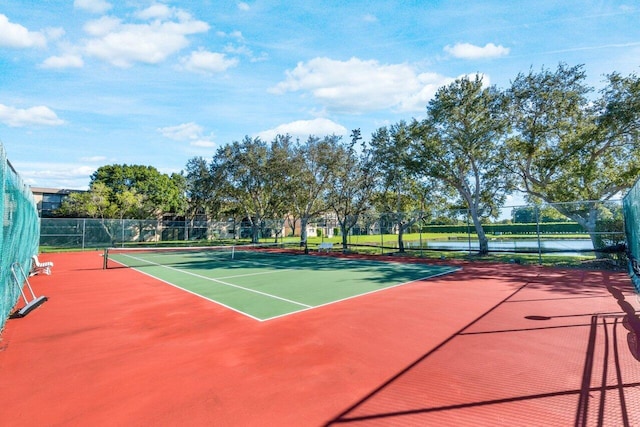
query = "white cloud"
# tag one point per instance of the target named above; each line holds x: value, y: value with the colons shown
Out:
x: 203, y: 61
x: 182, y: 132
x: 245, y: 51
x: 17, y: 117
x: 304, y: 128
x: 156, y: 11
x: 94, y: 159
x: 202, y: 143
x: 370, y: 18
x: 357, y: 86
x: 233, y: 34
x: 16, y: 36
x: 469, y: 51
x: 123, y: 44
x: 64, y: 61
x: 243, y: 6
x: 93, y: 6
x: 53, y: 33
x: 191, y: 132
x: 56, y: 175
x: 102, y: 26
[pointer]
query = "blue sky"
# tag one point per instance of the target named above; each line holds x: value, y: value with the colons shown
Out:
x: 87, y: 83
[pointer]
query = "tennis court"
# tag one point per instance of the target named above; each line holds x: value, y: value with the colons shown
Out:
x: 487, y: 345
x: 266, y: 282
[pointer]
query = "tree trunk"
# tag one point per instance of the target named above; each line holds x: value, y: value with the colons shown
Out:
x: 483, y: 242
x: 400, y: 234
x: 255, y: 232
x: 588, y: 224
x: 344, y: 232
x: 303, y: 229
x: 105, y: 228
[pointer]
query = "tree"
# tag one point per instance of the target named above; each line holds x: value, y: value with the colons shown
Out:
x: 253, y: 177
x: 94, y: 203
x: 569, y: 145
x: 537, y: 213
x: 315, y: 165
x: 131, y: 192
x: 399, y: 194
x: 460, y: 144
x: 157, y: 193
x: 200, y: 191
x: 349, y: 194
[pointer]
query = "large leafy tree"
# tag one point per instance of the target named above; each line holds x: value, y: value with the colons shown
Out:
x: 315, y: 164
x: 200, y: 189
x: 95, y: 203
x: 570, y: 144
x: 123, y: 191
x: 154, y: 193
x: 399, y: 196
x: 350, y: 192
x: 460, y: 143
x: 252, y: 176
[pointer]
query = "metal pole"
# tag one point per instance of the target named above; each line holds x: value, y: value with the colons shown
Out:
x: 381, y: 235
x: 420, y: 227
x: 469, y: 230
x: 538, y: 233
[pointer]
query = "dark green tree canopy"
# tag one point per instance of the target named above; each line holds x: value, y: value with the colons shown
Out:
x: 549, y: 135
x: 460, y: 143
x: 569, y: 144
x: 129, y: 191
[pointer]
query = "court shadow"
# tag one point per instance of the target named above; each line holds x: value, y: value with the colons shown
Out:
x: 420, y: 394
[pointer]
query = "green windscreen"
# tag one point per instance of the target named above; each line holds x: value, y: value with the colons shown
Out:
x: 631, y: 208
x: 20, y: 233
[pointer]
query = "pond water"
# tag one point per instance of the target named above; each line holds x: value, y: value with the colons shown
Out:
x: 560, y: 247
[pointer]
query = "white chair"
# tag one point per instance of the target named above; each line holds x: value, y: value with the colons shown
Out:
x: 326, y: 246
x: 38, y: 267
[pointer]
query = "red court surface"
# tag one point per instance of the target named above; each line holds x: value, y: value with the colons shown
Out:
x: 489, y: 345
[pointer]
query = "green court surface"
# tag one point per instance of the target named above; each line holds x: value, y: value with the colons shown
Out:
x: 266, y: 286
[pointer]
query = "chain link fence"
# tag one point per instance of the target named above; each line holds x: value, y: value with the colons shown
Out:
x: 590, y: 230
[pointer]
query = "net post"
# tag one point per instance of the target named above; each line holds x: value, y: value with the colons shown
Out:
x: 105, y: 258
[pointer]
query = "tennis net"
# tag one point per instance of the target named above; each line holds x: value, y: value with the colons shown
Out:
x: 138, y: 257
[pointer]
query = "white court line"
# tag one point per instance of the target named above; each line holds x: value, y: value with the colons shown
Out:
x: 195, y: 293
x: 306, y: 307
x: 254, y: 274
x: 444, y: 273
x: 221, y: 282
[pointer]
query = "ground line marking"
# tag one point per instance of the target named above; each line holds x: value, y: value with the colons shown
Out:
x: 253, y: 274
x: 220, y: 282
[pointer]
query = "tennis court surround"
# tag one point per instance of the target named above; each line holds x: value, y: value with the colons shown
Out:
x: 265, y: 282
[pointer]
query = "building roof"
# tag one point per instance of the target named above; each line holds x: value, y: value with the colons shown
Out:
x: 53, y: 190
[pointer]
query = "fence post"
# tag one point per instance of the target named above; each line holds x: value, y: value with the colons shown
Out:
x: 469, y: 230
x: 537, y: 211
x: 381, y: 235
x: 420, y: 221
